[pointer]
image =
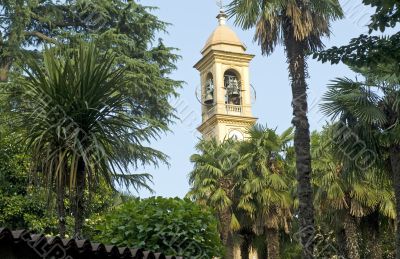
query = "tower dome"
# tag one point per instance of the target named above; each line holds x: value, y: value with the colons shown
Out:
x: 224, y: 38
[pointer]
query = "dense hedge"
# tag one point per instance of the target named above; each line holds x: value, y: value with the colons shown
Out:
x: 169, y: 225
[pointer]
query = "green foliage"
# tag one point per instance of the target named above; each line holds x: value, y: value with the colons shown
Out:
x: 366, y: 129
x: 299, y: 26
x: 369, y: 107
x: 26, y: 212
x: 21, y: 206
x: 212, y: 179
x: 14, y: 165
x: 173, y: 226
x: 275, y: 20
x: 339, y: 188
x: 77, y: 109
x: 124, y: 30
x: 263, y: 181
x: 247, y: 180
x: 263, y: 184
x: 367, y: 51
x: 371, y: 51
x: 83, y: 123
x: 24, y: 203
x: 387, y: 13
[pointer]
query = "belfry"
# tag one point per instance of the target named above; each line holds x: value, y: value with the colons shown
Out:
x: 225, y: 85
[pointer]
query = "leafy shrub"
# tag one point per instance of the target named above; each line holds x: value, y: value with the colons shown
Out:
x: 169, y: 225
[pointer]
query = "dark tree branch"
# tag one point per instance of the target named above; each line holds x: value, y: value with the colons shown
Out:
x: 41, y: 36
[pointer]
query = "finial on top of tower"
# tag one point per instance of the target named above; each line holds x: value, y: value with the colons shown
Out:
x: 222, y: 15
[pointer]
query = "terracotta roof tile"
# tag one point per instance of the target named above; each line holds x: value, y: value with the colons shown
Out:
x: 75, y: 249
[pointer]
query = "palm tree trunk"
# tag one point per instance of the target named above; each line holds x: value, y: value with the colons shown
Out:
x: 351, y: 233
x: 245, y: 247
x: 372, y: 236
x: 295, y: 51
x: 273, y: 243
x: 226, y: 233
x: 341, y: 241
x: 79, y: 198
x: 61, y: 206
x: 395, y: 164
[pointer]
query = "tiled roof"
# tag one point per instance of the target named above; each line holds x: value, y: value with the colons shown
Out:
x: 42, y: 246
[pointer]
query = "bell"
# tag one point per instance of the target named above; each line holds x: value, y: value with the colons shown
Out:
x: 232, y: 86
x: 234, y: 93
x: 209, y: 99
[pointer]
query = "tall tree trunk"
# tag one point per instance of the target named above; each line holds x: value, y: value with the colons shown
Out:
x: 226, y: 233
x: 395, y: 164
x: 295, y: 51
x: 372, y: 236
x: 351, y: 232
x: 79, y: 198
x: 245, y: 247
x: 61, y: 206
x: 273, y: 249
x: 341, y: 241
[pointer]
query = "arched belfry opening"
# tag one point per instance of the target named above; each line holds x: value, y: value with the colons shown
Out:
x: 208, y: 90
x: 233, y: 89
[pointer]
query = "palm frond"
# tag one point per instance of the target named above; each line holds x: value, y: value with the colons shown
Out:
x: 77, y: 105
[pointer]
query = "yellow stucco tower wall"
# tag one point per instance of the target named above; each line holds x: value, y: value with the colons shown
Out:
x: 224, y: 56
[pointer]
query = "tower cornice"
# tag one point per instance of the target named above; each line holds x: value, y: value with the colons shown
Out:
x: 230, y: 119
x: 221, y: 55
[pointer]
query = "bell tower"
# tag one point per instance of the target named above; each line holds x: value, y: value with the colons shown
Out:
x: 225, y: 85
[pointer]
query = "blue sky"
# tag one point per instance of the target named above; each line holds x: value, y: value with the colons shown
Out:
x: 192, y: 21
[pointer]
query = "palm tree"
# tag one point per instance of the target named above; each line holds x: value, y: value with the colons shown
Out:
x: 369, y: 110
x: 263, y: 184
x: 82, y: 124
x: 332, y: 195
x: 299, y: 25
x: 213, y: 183
x: 344, y: 197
